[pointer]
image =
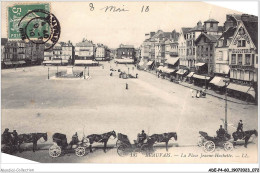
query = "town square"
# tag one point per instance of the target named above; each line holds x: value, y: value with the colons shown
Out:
x: 184, y: 95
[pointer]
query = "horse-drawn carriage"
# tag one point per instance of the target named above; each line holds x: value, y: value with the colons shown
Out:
x: 209, y: 143
x: 60, y: 145
x: 124, y: 146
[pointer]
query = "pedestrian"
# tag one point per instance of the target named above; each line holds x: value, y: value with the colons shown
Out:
x: 136, y: 75
x: 192, y: 93
x: 198, y: 94
x: 126, y: 86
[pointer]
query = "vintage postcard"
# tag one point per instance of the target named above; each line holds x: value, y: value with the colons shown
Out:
x: 129, y: 82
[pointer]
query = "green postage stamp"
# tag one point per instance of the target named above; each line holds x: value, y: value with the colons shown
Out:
x: 17, y: 12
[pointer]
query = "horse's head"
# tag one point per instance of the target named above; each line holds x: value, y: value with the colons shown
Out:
x: 113, y: 133
x: 256, y: 133
x: 173, y: 134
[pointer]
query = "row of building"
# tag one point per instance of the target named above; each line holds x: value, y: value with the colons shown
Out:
x: 208, y: 53
x: 18, y: 53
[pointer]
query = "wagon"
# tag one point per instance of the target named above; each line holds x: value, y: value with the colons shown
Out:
x: 209, y: 143
x: 124, y: 146
x: 61, y: 146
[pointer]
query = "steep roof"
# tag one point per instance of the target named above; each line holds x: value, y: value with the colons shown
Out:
x: 212, y: 38
x: 197, y: 28
x: 252, y: 29
x: 211, y: 21
x: 228, y: 33
x: 84, y: 44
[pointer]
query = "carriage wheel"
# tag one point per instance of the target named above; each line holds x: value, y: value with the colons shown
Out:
x: 122, y: 150
x: 54, y: 151
x: 209, y: 146
x: 80, y: 151
x: 228, y: 146
x: 200, y: 141
x: 118, y: 143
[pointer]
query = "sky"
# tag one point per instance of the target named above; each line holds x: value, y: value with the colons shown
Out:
x: 129, y: 27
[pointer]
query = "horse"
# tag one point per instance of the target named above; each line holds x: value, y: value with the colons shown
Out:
x: 245, y: 136
x: 31, y: 138
x: 165, y: 137
x: 100, y: 138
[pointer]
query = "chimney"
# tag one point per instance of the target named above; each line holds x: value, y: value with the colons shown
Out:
x: 199, y: 24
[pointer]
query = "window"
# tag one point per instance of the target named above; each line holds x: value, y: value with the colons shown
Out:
x: 239, y: 59
x: 241, y: 43
x: 211, y: 25
x: 233, y: 59
x: 253, y: 59
x: 256, y: 59
x: 193, y: 51
x: 247, y: 59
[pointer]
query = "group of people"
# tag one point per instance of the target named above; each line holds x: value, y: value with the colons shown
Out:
x: 221, y: 133
x: 198, y: 93
x: 9, y: 137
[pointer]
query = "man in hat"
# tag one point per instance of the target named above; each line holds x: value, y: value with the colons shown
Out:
x: 221, y: 133
x: 240, y: 129
x: 74, y: 140
x: 240, y: 126
x: 6, y: 136
x: 15, y: 137
x: 141, y: 138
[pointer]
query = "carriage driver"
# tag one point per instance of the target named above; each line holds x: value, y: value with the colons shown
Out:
x: 221, y: 133
x: 74, y: 140
x: 6, y: 136
x: 240, y: 126
x: 141, y: 137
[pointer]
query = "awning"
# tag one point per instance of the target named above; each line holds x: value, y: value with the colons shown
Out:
x: 47, y: 62
x: 56, y: 62
x: 141, y: 63
x: 199, y: 64
x: 168, y: 70
x: 190, y: 74
x: 201, y: 77
x: 8, y: 63
x: 22, y: 62
x: 218, y: 81
x: 65, y: 61
x: 124, y: 60
x: 150, y: 63
x: 242, y: 88
x: 181, y: 71
x: 85, y: 62
x: 15, y: 62
x: 172, y: 61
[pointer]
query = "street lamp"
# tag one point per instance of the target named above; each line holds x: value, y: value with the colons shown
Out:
x: 226, y: 82
x: 85, y: 73
x: 48, y: 73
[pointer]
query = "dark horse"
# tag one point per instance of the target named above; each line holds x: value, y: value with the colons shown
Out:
x: 100, y: 139
x: 31, y: 138
x: 244, y: 136
x: 165, y: 137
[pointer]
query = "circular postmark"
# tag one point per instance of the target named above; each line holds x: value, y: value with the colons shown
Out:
x: 40, y: 27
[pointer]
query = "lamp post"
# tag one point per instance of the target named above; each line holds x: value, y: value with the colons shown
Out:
x: 88, y: 70
x: 85, y: 72
x: 226, y: 82
x: 48, y: 73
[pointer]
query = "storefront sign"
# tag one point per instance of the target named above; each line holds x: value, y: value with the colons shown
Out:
x: 241, y: 51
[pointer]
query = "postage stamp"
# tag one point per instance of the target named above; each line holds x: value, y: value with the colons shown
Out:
x: 17, y: 12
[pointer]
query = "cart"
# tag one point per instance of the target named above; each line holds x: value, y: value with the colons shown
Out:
x: 61, y: 146
x: 209, y: 143
x: 124, y: 147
